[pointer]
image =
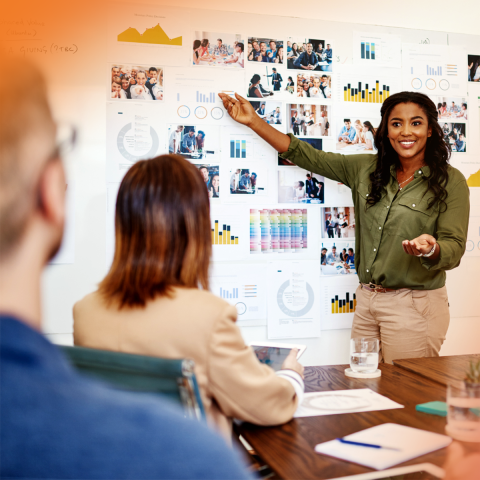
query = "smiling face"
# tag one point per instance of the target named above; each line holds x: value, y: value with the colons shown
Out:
x: 408, y: 131
x: 125, y: 83
x: 263, y: 47
x: 141, y: 78
x: 215, y: 181
x: 309, y: 48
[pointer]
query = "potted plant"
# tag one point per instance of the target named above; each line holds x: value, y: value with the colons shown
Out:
x: 472, y: 379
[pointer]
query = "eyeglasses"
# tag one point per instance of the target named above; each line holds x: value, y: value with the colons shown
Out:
x: 65, y: 140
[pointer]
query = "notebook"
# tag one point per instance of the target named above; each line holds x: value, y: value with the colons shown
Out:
x: 410, y: 442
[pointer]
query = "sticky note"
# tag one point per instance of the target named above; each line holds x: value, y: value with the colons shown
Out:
x: 434, y: 408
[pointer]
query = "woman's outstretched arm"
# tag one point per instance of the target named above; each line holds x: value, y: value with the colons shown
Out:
x: 242, y: 112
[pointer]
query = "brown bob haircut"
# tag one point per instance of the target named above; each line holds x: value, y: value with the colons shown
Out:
x: 162, y: 232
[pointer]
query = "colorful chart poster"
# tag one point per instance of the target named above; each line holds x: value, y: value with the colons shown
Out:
x: 293, y: 300
x: 434, y: 69
x: 245, y: 287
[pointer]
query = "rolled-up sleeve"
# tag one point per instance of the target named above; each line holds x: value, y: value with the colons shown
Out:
x: 338, y: 167
x: 452, y: 229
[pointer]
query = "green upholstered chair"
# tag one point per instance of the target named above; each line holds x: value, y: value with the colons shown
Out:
x: 171, y: 378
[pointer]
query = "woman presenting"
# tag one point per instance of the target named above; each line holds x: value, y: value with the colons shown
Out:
x: 411, y: 215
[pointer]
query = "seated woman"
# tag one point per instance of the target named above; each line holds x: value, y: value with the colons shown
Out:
x: 155, y: 299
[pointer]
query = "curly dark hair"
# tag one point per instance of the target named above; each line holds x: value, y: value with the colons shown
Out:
x: 437, y: 152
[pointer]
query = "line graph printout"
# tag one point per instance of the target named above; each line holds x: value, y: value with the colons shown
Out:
x: 293, y: 300
x: 434, y: 69
x: 245, y: 287
x: 140, y: 33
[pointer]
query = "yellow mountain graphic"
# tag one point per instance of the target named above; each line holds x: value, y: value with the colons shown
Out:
x: 154, y: 35
x: 474, y: 180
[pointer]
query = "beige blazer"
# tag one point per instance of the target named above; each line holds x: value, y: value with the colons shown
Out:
x: 198, y: 325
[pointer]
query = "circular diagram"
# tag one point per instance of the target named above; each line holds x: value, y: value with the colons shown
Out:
x: 326, y: 401
x: 444, y: 84
x: 431, y: 84
x: 201, y: 112
x: 183, y: 111
x: 216, y: 113
x: 288, y: 311
x: 127, y: 153
x: 241, y: 308
x: 416, y: 83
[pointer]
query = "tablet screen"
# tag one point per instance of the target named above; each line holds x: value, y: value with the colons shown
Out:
x: 271, y: 356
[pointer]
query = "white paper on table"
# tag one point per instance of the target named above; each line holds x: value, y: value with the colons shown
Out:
x: 410, y: 442
x: 316, y: 404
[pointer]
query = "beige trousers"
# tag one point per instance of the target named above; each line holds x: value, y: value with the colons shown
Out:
x: 408, y: 323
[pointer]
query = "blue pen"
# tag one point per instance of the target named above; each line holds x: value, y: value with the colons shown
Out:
x: 370, y: 445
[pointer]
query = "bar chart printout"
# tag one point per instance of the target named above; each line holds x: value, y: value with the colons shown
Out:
x: 238, y: 149
x: 243, y: 286
x: 375, y: 92
x: 222, y: 234
x: 347, y: 304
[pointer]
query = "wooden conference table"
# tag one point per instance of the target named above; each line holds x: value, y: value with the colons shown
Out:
x: 444, y: 370
x: 289, y: 449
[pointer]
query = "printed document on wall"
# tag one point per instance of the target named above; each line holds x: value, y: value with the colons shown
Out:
x: 141, y: 33
x: 377, y: 49
x: 134, y: 132
x: 244, y: 287
x: 434, y: 69
x: 294, y: 307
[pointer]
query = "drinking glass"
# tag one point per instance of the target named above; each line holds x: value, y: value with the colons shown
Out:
x: 364, y: 354
x: 463, y: 415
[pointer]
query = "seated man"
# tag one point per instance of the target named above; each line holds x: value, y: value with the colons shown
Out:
x: 333, y: 256
x: 307, y: 60
x: 460, y: 143
x: 55, y: 423
x: 347, y: 133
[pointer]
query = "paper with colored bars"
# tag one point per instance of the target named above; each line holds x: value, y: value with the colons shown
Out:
x: 278, y: 230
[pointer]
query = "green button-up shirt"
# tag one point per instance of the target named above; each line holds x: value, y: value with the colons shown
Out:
x: 399, y: 215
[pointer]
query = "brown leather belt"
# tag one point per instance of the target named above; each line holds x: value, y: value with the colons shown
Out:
x: 371, y: 287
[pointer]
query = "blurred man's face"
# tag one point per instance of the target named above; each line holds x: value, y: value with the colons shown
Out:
x: 263, y: 47
x: 309, y: 48
x: 153, y: 74
x: 115, y: 72
x: 348, y: 125
x: 204, y: 173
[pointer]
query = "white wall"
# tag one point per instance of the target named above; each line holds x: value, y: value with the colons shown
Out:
x: 78, y: 95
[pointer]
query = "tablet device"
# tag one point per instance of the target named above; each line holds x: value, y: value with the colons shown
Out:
x: 274, y: 354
